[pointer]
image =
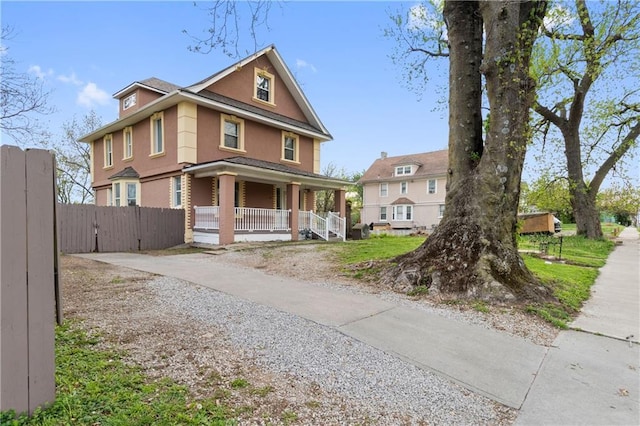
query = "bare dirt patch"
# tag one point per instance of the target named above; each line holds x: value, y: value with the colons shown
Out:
x: 116, y: 303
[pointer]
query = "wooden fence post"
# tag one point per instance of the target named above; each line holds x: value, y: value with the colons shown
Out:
x: 27, y: 280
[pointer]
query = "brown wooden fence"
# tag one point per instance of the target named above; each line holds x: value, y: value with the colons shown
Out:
x: 88, y: 228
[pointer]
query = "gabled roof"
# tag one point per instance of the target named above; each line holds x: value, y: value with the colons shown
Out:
x: 127, y: 172
x: 402, y: 200
x: 153, y: 84
x: 285, y: 75
x: 429, y: 164
x: 173, y: 94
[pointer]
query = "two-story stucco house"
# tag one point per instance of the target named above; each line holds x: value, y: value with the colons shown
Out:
x: 405, y: 192
x: 239, y: 151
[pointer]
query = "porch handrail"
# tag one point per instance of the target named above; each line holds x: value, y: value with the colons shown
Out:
x: 258, y: 219
x: 313, y: 222
x: 337, y: 225
x: 207, y: 218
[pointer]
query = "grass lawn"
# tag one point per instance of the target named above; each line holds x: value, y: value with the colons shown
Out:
x: 94, y: 387
x: 570, y: 280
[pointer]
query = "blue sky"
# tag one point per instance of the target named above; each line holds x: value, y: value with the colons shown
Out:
x: 87, y: 51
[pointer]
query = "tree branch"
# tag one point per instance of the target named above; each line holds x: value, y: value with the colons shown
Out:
x: 613, y: 158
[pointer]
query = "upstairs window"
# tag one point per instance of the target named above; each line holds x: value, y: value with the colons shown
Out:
x: 289, y: 147
x: 431, y: 186
x: 232, y: 133
x: 403, y: 170
x: 157, y: 133
x: 129, y: 101
x: 384, y: 189
x: 264, y: 87
x: 127, y: 140
x: 404, y: 187
x: 108, y: 151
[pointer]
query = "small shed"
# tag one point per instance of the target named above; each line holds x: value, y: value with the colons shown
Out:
x: 537, y: 223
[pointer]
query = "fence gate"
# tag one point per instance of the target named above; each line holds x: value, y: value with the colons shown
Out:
x: 89, y: 228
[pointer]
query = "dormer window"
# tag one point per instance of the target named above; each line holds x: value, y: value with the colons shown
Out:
x: 129, y: 101
x: 403, y: 170
x: 264, y: 87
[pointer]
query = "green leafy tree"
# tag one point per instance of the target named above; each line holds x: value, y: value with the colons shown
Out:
x: 548, y: 194
x: 587, y: 64
x: 473, y: 252
x: 621, y: 200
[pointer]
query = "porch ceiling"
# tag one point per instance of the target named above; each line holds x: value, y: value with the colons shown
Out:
x: 265, y: 172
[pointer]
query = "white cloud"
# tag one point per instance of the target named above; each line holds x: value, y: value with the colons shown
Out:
x: 91, y: 94
x: 558, y: 17
x: 39, y: 72
x: 73, y: 79
x: 422, y: 17
x: 301, y: 63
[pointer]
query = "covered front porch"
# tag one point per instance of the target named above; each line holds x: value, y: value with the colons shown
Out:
x: 240, y: 199
x: 256, y: 224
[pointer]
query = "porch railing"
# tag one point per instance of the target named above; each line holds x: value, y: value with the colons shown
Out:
x: 321, y: 226
x: 254, y: 219
x: 246, y: 219
x: 207, y: 218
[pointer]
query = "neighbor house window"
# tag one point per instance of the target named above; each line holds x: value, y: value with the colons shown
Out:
x: 403, y: 187
x: 232, y: 133
x: 127, y: 138
x: 441, y: 210
x: 157, y: 133
x: 402, y: 212
x: 129, y: 101
x: 108, y: 151
x: 289, y: 147
x: 383, y: 214
x: 431, y: 186
x: 264, y: 87
x: 177, y: 191
x: 384, y: 189
x: 116, y: 194
x: 109, y: 196
x: 403, y: 170
x: 132, y: 192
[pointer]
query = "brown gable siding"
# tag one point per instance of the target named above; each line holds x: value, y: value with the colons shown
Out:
x: 260, y: 141
x: 239, y: 85
x: 143, y: 97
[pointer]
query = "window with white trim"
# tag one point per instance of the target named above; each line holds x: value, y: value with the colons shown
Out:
x: 289, y: 147
x: 404, y: 187
x: 264, y: 86
x: 116, y: 194
x: 403, y: 170
x: 132, y: 194
x: 127, y: 140
x: 441, y: 210
x: 432, y: 186
x: 157, y: 133
x: 109, y: 196
x: 402, y: 212
x: 232, y: 133
x: 176, y: 191
x: 108, y: 150
x: 129, y: 101
x: 384, y: 189
x: 383, y: 213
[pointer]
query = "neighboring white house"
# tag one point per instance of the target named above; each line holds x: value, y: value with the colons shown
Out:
x: 405, y: 192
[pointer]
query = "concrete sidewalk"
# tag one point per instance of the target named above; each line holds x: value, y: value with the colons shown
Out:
x: 582, y: 379
x: 593, y: 377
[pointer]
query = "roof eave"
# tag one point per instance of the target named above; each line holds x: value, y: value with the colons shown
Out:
x: 174, y: 97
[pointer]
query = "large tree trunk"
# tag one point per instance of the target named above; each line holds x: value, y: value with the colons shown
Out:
x: 473, y: 252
